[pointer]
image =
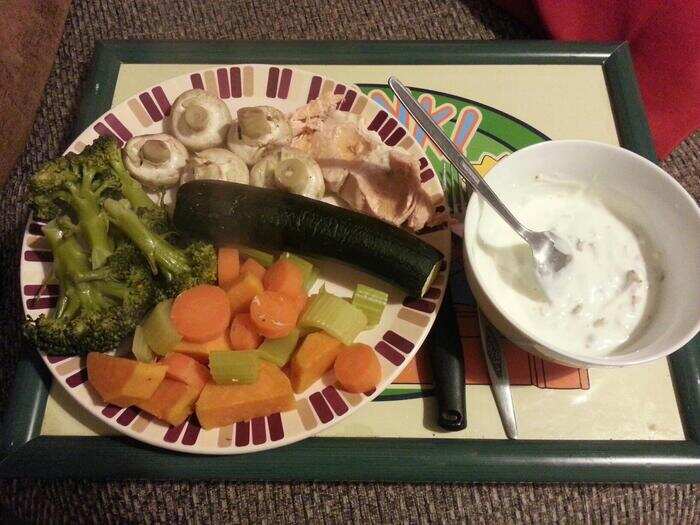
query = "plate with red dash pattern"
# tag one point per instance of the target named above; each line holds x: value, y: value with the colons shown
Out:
x: 404, y: 325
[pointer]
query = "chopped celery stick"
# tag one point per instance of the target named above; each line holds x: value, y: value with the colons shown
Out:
x: 278, y: 351
x: 371, y: 301
x: 158, y: 330
x: 264, y: 258
x: 335, y: 316
x: 234, y: 367
x: 310, y: 280
x: 139, y: 347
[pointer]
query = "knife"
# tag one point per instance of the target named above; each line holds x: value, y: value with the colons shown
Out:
x: 498, y: 373
x: 447, y: 362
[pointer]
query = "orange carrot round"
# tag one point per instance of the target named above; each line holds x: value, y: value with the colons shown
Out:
x: 299, y: 301
x: 284, y: 276
x: 254, y: 267
x: 201, y: 314
x: 244, y: 335
x: 229, y: 266
x: 274, y: 314
x: 357, y: 368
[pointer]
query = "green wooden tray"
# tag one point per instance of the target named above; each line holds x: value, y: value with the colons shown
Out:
x: 25, y: 453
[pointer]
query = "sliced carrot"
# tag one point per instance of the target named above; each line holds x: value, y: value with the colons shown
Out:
x: 284, y: 276
x: 201, y: 313
x: 254, y: 267
x: 357, y: 368
x: 242, y: 292
x: 274, y: 314
x: 299, y: 301
x: 229, y: 266
x: 244, y: 334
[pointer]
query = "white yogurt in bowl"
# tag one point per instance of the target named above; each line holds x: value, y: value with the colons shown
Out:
x: 632, y: 291
x: 597, y: 302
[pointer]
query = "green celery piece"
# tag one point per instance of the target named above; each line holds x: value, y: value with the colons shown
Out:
x: 234, y: 367
x: 278, y: 351
x: 334, y: 315
x: 139, y: 347
x: 264, y: 258
x: 158, y: 330
x: 371, y: 301
x: 310, y: 280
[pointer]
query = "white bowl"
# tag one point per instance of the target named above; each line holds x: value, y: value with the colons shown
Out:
x: 659, y: 206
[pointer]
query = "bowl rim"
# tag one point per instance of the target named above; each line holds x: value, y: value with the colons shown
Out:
x: 683, y: 198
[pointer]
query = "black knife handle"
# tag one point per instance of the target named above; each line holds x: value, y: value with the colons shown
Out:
x: 447, y: 361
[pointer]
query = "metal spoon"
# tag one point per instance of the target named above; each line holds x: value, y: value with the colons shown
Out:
x: 551, y: 252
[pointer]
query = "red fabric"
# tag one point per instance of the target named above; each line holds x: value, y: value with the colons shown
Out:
x: 664, y: 37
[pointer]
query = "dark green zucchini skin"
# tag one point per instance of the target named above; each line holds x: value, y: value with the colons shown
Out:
x: 230, y: 213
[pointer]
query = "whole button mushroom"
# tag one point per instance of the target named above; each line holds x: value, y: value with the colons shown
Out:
x: 200, y: 120
x: 155, y: 160
x: 290, y: 169
x: 256, y: 128
x: 217, y: 164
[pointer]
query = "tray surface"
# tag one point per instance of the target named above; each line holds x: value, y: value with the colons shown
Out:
x: 405, y: 410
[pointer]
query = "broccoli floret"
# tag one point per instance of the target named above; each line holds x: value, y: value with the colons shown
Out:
x: 77, y: 184
x: 72, y: 183
x: 96, y: 310
x: 156, y: 219
x: 181, y: 268
x: 107, y: 149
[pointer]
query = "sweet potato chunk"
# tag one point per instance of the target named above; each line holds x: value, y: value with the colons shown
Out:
x: 221, y: 405
x: 186, y: 370
x: 172, y: 401
x: 201, y: 351
x: 314, y: 358
x: 123, y: 382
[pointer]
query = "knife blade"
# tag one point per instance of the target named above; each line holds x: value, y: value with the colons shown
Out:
x: 498, y: 373
x: 447, y: 362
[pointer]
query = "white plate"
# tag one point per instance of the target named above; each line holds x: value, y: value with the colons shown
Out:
x: 404, y: 325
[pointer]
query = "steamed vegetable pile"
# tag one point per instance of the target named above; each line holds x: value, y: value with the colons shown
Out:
x: 241, y: 349
x: 114, y: 249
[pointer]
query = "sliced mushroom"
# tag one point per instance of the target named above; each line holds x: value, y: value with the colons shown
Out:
x: 290, y: 169
x: 200, y: 120
x: 256, y: 128
x: 217, y: 164
x: 155, y: 160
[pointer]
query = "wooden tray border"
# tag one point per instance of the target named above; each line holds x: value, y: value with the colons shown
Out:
x: 24, y: 453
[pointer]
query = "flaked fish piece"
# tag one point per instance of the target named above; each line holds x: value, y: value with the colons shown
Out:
x: 394, y: 196
x: 408, y: 169
x: 341, y: 146
x: 368, y: 175
x: 310, y: 117
x: 379, y: 196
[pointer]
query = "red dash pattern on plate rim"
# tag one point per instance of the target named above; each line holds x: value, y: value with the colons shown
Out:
x: 318, y: 403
